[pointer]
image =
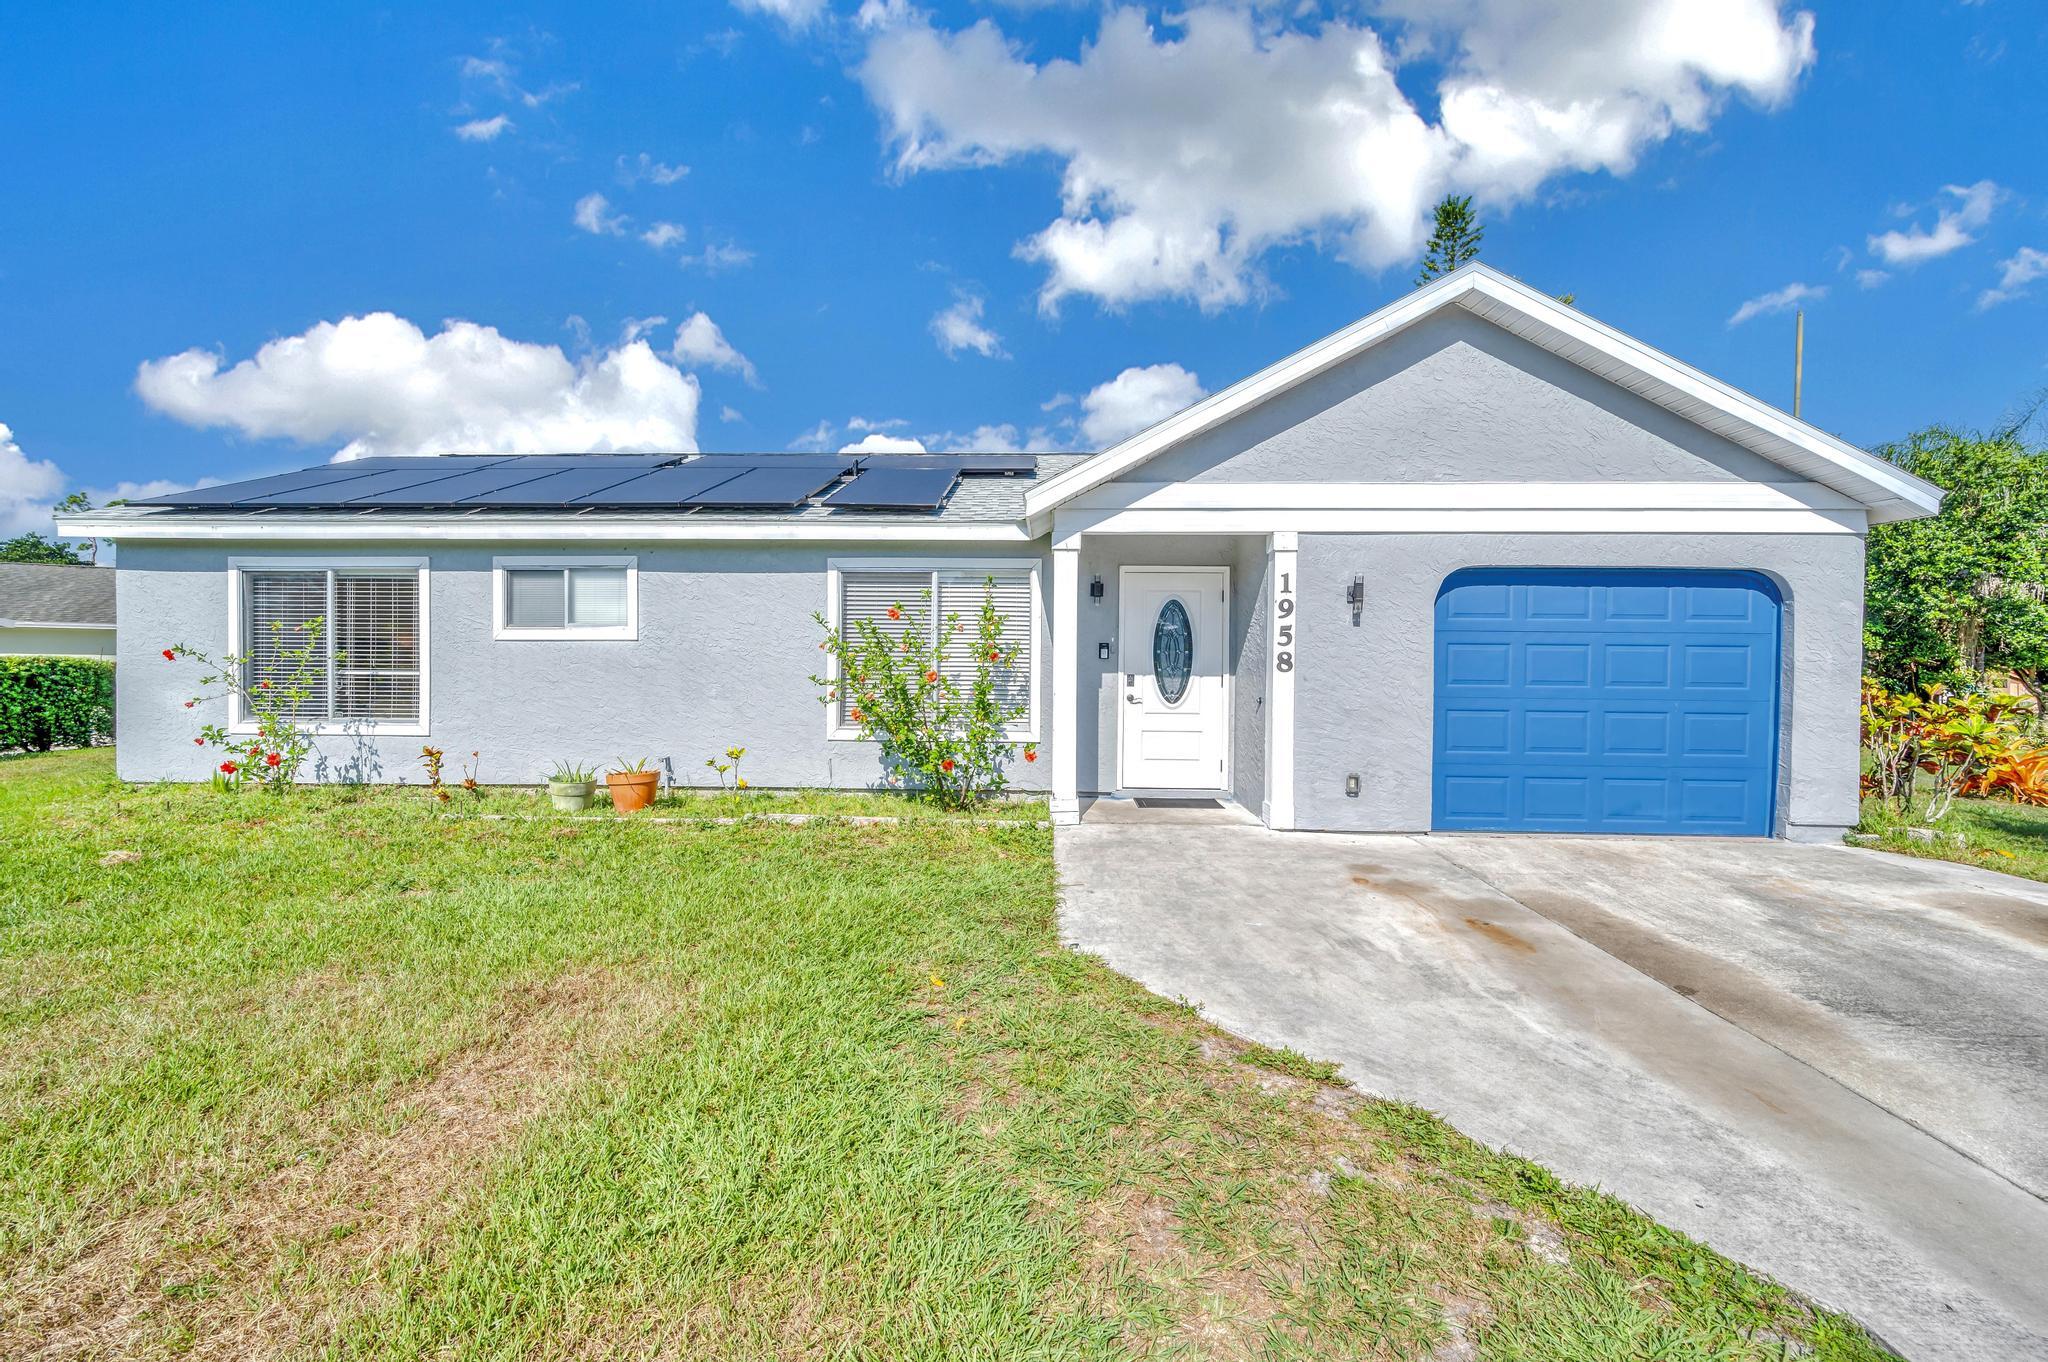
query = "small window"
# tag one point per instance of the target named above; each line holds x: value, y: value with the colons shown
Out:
x: 559, y: 598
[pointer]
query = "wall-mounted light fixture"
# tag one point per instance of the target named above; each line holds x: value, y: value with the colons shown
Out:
x: 1102, y: 651
x: 1351, y: 786
x: 1095, y: 590
x: 1356, y: 596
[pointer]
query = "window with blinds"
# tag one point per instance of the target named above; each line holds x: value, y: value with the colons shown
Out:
x: 367, y: 662
x: 538, y: 599
x: 927, y: 597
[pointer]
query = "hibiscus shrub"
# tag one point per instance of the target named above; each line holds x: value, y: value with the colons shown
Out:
x: 941, y: 739
x: 272, y: 755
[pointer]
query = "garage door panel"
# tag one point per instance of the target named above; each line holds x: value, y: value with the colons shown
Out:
x: 1624, y: 701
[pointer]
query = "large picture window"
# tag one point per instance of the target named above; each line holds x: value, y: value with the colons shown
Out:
x: 543, y: 598
x: 929, y: 593
x: 369, y: 668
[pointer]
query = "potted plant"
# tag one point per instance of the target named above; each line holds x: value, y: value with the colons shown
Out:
x: 571, y: 786
x: 632, y: 784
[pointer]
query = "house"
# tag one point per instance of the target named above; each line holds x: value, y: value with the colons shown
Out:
x: 1475, y: 562
x: 56, y: 610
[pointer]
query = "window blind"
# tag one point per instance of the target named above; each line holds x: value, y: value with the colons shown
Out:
x: 533, y: 598
x: 597, y: 597
x: 926, y: 597
x: 367, y: 665
x: 278, y: 604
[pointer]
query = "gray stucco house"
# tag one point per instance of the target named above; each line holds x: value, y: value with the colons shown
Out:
x: 1476, y: 561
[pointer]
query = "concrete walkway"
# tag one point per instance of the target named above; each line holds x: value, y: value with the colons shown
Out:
x: 1829, y: 1064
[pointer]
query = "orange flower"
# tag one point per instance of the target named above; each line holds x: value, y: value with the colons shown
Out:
x: 894, y: 614
x: 946, y: 765
x: 931, y: 678
x: 1031, y: 754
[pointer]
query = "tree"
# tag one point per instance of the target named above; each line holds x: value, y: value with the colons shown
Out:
x: 79, y: 501
x: 33, y: 548
x: 1453, y: 241
x: 1966, y: 590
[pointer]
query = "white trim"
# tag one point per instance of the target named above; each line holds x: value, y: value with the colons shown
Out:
x: 1460, y: 496
x: 1033, y: 723
x: 1310, y: 521
x: 1222, y: 574
x: 1889, y: 492
x: 627, y: 631
x: 370, y: 529
x: 1283, y: 568
x: 53, y: 624
x: 1065, y: 808
x: 240, y: 724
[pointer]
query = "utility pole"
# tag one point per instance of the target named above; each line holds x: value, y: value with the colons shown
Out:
x: 1798, y: 357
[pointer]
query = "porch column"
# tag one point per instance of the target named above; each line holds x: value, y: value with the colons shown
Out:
x: 1281, y: 574
x: 1066, y: 681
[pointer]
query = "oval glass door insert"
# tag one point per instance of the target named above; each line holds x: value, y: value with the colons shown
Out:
x: 1173, y: 652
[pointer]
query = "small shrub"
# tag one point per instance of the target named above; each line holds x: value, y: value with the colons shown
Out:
x: 944, y: 740
x: 272, y: 756
x: 45, y: 701
x: 1953, y: 740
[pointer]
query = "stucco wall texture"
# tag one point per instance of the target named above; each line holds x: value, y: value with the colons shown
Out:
x: 726, y: 647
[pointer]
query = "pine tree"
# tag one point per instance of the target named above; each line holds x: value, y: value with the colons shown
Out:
x: 1454, y: 241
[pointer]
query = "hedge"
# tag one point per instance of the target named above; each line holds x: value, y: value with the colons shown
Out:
x: 45, y: 701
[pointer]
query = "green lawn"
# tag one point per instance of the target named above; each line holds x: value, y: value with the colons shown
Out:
x: 336, y: 1076
x: 1995, y: 833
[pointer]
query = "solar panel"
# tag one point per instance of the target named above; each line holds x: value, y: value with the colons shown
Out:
x: 996, y: 463
x: 912, y: 489
x: 348, y: 490
x: 779, y: 484
x: 665, y: 486
x: 501, y: 475
x: 229, y: 494
x: 552, y: 490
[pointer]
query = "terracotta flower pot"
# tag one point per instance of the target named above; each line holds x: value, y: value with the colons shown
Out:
x: 632, y: 789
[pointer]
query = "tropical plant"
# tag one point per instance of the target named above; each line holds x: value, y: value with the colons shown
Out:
x: 2020, y: 775
x: 273, y: 755
x: 945, y: 741
x: 433, y: 758
x: 1935, y: 739
x: 570, y: 773
x: 637, y: 766
x: 730, y: 766
x: 33, y: 548
x: 1954, y: 594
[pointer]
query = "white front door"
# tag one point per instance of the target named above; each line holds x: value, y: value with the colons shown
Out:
x: 1175, y: 702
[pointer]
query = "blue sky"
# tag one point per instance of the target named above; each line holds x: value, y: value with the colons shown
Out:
x: 1000, y: 223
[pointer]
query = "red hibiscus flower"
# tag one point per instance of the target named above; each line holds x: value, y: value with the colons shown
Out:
x: 190, y: 703
x: 199, y: 742
x: 1031, y: 754
x: 263, y: 685
x: 857, y: 716
x: 170, y: 656
x: 272, y: 758
x: 993, y: 656
x: 931, y: 678
x: 894, y: 613
x: 228, y: 768
x: 946, y: 765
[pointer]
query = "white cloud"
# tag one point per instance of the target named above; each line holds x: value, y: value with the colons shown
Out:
x: 960, y: 327
x: 717, y: 256
x: 645, y: 167
x: 1135, y: 399
x: 663, y: 235
x: 1191, y: 148
x: 700, y: 344
x: 1778, y: 300
x: 28, y: 489
x: 2014, y: 275
x: 819, y: 436
x: 383, y: 386
x: 878, y: 443
x: 594, y: 215
x: 1954, y: 226
x: 797, y: 14
x: 1871, y: 278
x: 483, y: 129
x: 730, y: 415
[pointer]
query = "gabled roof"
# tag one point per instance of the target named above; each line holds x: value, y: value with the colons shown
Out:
x: 52, y: 593
x: 1889, y: 492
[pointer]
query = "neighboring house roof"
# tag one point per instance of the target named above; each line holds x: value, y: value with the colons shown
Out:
x: 1887, y: 491
x: 51, y: 593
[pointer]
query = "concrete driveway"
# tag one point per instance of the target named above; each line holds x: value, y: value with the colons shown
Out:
x: 1830, y: 1064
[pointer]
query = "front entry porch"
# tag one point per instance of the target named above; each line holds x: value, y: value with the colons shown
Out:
x: 1163, y: 672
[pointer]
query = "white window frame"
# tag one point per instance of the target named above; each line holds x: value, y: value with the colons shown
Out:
x: 242, y: 724
x: 1026, y: 732
x: 630, y: 630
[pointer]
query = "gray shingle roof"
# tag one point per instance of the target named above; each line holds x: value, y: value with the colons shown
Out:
x: 50, y: 593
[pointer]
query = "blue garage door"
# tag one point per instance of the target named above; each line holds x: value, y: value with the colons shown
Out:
x: 1606, y: 701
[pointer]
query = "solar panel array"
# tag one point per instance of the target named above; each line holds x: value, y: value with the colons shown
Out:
x: 678, y: 482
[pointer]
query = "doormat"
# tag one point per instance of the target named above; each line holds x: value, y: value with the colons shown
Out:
x: 1145, y: 803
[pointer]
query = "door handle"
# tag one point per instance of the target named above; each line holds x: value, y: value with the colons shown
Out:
x: 1131, y: 700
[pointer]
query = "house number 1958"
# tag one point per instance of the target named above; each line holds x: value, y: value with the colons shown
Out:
x: 1283, y: 615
